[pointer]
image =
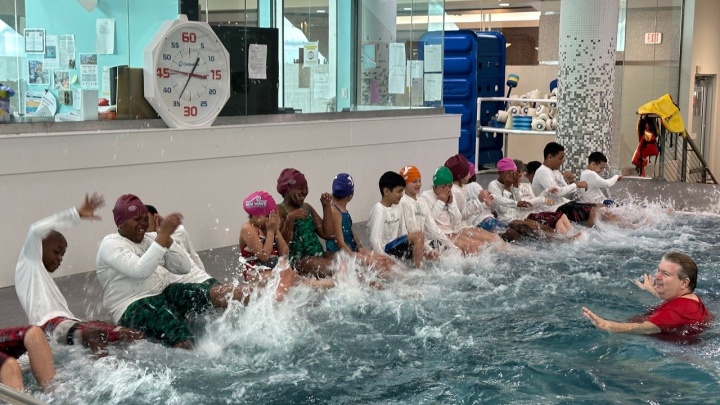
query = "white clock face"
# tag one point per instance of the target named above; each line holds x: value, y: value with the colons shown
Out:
x: 190, y: 70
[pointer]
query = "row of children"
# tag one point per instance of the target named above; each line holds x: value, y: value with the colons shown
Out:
x: 152, y: 278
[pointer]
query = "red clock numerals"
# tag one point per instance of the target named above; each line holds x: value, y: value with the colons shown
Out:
x: 216, y: 74
x: 190, y: 111
x: 189, y: 37
x: 163, y: 73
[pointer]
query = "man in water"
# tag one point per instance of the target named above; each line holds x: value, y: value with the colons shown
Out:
x: 681, y: 313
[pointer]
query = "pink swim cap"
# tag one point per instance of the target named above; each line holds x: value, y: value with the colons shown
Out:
x: 259, y: 204
x: 506, y: 164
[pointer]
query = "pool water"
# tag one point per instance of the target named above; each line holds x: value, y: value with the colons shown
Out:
x: 504, y: 327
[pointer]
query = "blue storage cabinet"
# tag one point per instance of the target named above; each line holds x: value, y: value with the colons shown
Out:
x: 490, y: 83
x: 473, y: 66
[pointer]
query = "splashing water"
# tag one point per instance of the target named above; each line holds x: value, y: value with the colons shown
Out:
x: 504, y: 327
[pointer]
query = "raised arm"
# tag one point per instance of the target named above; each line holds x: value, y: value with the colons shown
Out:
x: 594, y: 180
x: 120, y: 257
x: 647, y: 284
x: 176, y: 258
x: 62, y: 220
x: 545, y: 180
x: 327, y: 230
x: 249, y: 235
x: 639, y: 328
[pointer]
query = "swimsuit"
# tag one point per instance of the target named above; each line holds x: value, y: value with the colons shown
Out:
x: 304, y: 242
x: 347, y: 233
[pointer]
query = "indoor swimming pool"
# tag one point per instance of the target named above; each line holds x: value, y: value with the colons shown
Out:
x: 504, y: 327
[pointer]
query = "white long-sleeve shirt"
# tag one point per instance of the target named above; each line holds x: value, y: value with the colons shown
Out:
x: 594, y: 193
x: 39, y: 295
x: 384, y: 225
x: 471, y: 208
x: 418, y: 218
x: 197, y: 272
x: 546, y: 178
x: 129, y: 271
x: 505, y: 201
x: 447, y: 217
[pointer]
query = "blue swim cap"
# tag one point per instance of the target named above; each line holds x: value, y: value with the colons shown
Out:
x: 343, y: 186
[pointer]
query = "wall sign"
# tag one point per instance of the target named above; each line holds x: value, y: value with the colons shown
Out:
x: 652, y: 38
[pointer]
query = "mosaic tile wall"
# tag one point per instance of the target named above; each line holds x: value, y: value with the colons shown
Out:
x: 588, y: 31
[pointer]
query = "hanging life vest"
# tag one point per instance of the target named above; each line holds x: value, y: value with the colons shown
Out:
x: 647, y: 143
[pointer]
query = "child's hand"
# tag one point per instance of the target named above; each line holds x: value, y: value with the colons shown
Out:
x: 445, y: 195
x: 582, y: 184
x: 524, y: 204
x: 569, y: 177
x: 486, y: 197
x: 91, y: 203
x: 325, y: 199
x: 273, y: 222
x: 553, y: 190
x: 620, y: 177
x: 297, y: 214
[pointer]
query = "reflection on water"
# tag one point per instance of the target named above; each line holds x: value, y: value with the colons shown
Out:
x: 505, y: 327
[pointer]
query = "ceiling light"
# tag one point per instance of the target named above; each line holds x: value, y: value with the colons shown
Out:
x: 321, y: 11
x: 504, y: 4
x: 407, y: 8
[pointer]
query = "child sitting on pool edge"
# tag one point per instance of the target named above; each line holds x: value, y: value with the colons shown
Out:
x: 386, y: 227
x: 343, y: 189
x: 301, y: 225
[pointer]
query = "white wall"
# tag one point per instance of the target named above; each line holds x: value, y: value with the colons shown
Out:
x: 705, y: 60
x: 203, y: 174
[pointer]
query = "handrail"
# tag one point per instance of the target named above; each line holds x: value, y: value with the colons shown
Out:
x: 13, y: 396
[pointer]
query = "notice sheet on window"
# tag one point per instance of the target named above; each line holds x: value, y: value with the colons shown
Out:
x: 257, y: 61
x: 396, y: 81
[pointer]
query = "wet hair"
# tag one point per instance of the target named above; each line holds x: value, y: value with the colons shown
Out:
x: 520, y: 165
x: 552, y: 149
x: 532, y: 167
x: 390, y: 180
x: 151, y: 209
x: 688, y: 268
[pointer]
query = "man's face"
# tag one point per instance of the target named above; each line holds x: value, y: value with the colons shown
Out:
x: 667, y: 283
x: 413, y: 187
x: 555, y: 162
x: 54, y: 249
x: 135, y: 228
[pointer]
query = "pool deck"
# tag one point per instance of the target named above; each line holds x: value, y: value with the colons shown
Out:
x: 82, y: 291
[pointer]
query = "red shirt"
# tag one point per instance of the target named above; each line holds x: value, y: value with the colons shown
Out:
x: 682, y: 317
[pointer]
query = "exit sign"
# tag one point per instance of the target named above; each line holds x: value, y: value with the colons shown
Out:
x: 652, y: 38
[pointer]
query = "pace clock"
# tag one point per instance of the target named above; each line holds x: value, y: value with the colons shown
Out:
x: 186, y: 73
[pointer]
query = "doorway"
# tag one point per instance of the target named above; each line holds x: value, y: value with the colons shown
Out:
x: 702, y: 113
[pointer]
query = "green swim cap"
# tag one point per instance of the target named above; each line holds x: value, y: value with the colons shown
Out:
x: 442, y: 176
